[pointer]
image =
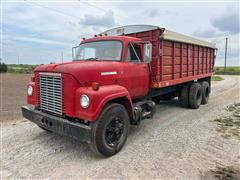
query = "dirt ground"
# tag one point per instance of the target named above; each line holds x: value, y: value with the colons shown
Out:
x: 177, y: 143
x: 13, y: 96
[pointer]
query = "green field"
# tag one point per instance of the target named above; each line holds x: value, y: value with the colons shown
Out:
x: 231, y: 70
x: 21, y: 68
x: 216, y: 78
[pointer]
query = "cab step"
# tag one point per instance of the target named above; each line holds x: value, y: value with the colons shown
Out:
x: 143, y: 110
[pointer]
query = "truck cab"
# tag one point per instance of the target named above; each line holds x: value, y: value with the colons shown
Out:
x: 118, y: 60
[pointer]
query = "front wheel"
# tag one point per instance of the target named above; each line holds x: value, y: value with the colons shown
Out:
x: 110, y: 131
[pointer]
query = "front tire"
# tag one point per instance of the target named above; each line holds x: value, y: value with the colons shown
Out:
x: 110, y: 131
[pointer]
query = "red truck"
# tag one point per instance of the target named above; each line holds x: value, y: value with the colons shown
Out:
x: 114, y: 81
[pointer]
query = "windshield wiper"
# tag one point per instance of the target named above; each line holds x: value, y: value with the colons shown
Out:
x: 92, y: 58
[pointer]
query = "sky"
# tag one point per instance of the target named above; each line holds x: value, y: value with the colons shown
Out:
x: 37, y: 31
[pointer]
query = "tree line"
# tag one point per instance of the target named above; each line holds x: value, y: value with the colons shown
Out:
x: 3, y: 67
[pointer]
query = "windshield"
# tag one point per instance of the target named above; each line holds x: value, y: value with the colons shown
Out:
x: 98, y: 50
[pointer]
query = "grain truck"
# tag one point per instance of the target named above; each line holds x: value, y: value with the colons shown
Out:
x: 115, y: 80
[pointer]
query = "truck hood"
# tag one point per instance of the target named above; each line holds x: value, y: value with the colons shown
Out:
x: 86, y: 71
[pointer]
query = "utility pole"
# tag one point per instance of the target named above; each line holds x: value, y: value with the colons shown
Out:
x: 18, y: 59
x: 225, y: 63
x: 62, y: 56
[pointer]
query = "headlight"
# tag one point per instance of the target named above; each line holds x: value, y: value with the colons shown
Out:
x: 84, y: 101
x: 30, y: 90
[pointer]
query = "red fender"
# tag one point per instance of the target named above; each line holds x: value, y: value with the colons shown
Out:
x: 98, y: 99
x: 32, y: 99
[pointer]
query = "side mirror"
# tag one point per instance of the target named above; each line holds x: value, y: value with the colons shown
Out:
x: 147, y: 53
x: 74, y: 53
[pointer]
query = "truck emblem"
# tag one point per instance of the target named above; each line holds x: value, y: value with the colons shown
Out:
x: 108, y: 73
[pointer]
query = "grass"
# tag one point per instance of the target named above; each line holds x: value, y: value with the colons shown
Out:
x: 234, y: 107
x: 231, y: 70
x: 226, y: 173
x: 222, y: 173
x: 229, y: 126
x: 21, y: 68
x: 217, y: 78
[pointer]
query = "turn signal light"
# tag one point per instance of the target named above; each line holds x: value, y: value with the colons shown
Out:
x: 95, y: 86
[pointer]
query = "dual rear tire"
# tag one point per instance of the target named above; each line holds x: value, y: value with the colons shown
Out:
x: 205, y: 92
x: 194, y: 94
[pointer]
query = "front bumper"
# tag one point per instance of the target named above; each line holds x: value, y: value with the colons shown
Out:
x: 58, y: 125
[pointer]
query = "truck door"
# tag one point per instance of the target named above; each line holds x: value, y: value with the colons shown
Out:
x: 136, y: 72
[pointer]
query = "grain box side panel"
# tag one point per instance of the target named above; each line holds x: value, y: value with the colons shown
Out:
x: 182, y: 60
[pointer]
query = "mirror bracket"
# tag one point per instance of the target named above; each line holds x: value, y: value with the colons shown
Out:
x: 147, y: 52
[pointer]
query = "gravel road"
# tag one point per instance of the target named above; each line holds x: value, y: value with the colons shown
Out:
x: 177, y: 143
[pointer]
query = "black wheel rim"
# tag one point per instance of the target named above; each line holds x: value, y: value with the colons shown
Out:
x: 114, y: 131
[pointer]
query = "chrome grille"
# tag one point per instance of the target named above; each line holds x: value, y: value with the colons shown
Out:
x: 51, y: 92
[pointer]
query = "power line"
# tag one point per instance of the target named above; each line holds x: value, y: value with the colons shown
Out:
x: 70, y: 15
x: 89, y: 4
x: 52, y: 9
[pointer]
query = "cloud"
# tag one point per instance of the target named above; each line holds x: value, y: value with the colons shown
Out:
x: 107, y: 20
x: 228, y: 22
x: 232, y: 52
x: 152, y: 12
x: 35, y: 40
x: 205, y: 33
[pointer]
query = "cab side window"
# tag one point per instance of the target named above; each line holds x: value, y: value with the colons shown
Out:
x: 134, y: 53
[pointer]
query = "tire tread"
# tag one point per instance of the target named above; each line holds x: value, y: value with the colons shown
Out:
x: 193, y: 102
